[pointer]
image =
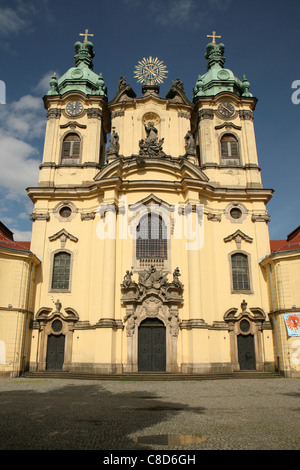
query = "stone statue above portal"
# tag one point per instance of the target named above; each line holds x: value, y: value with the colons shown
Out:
x: 151, y: 146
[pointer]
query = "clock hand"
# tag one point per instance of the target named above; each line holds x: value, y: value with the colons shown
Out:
x: 227, y: 109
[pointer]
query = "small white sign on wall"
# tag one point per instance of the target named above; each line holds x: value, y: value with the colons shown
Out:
x: 2, y: 352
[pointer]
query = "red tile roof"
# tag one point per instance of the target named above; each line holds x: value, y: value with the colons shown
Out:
x: 7, y: 239
x: 291, y: 243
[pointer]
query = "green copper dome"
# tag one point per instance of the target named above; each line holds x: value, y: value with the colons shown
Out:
x: 81, y: 77
x: 217, y: 78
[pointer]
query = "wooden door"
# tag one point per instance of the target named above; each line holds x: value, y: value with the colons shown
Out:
x: 246, y: 352
x: 152, y: 346
x: 55, y: 352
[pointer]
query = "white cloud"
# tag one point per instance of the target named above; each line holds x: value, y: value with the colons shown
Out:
x: 11, y: 21
x: 21, y: 236
x: 180, y: 13
x: 19, y: 168
x: 22, y: 129
x: 18, y: 17
x: 43, y: 86
x: 24, y: 118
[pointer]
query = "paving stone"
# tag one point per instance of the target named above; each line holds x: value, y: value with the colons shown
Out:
x: 64, y: 414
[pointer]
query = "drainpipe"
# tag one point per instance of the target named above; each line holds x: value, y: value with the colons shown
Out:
x: 272, y: 298
x: 27, y: 317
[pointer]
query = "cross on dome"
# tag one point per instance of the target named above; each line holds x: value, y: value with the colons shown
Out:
x: 86, y: 34
x: 213, y: 36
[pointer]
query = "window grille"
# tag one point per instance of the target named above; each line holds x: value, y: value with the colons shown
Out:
x: 240, y: 272
x: 151, y: 240
x: 61, y: 271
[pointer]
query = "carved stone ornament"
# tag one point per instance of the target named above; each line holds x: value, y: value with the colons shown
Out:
x: 54, y: 113
x: 114, y: 144
x: 150, y: 294
x: 151, y: 146
x: 214, y: 217
x: 205, y: 114
x: 63, y: 235
x: 246, y: 115
x: 152, y: 297
x: 88, y: 216
x: 238, y: 236
x: 39, y: 216
x: 261, y: 218
x: 94, y: 113
x: 189, y: 143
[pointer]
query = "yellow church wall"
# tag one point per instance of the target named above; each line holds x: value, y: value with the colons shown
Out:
x: 282, y: 274
x: 203, y: 350
x: 97, y: 351
x: 170, y: 121
x: 98, y: 338
x: 17, y: 279
x: 99, y: 267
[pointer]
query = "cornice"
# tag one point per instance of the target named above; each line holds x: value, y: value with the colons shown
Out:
x: 280, y: 255
x: 209, y: 100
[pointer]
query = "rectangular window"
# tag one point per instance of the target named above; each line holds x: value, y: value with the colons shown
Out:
x: 240, y: 272
x: 61, y: 271
x: 71, y: 149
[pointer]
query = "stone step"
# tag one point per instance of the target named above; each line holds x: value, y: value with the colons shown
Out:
x: 151, y: 376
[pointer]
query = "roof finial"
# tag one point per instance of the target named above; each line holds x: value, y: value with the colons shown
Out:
x: 86, y: 34
x: 213, y: 36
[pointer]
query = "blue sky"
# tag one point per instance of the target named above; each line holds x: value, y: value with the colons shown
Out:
x: 261, y: 41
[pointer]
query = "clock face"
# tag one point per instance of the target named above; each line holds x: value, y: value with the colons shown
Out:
x: 226, y: 110
x: 74, y: 108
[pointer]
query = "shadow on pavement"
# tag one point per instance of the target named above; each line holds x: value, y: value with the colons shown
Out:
x: 80, y: 417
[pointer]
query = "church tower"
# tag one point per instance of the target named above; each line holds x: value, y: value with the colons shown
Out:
x: 77, y: 123
x: 150, y: 249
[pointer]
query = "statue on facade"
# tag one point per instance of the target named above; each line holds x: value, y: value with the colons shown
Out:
x: 151, y: 146
x: 176, y: 275
x: 127, y: 281
x: 189, y: 144
x: 122, y: 82
x: 149, y: 280
x: 114, y: 145
x: 152, y: 279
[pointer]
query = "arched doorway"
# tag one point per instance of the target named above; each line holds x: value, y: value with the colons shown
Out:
x: 152, y: 346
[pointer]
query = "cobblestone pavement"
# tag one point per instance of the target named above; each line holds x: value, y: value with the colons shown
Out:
x: 236, y: 414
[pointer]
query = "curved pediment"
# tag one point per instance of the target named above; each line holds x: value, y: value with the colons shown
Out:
x: 176, y: 94
x: 124, y: 93
x: 151, y: 168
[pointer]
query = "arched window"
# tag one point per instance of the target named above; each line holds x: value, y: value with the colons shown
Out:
x: 229, y: 148
x: 61, y: 271
x: 71, y: 149
x: 240, y: 272
x: 151, y: 237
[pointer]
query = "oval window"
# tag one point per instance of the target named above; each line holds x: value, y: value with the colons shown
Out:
x: 56, y: 326
x: 244, y: 326
x: 65, y: 212
x: 236, y: 213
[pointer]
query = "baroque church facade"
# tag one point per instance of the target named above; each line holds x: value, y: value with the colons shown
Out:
x: 149, y: 250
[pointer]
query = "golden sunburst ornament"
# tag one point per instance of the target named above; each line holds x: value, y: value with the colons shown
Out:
x: 150, y: 71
